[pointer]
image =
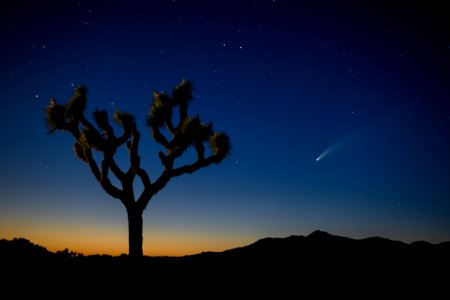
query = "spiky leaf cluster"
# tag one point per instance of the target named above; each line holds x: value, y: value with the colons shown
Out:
x: 220, y: 145
x: 182, y: 93
x: 193, y: 130
x: 92, y: 139
x: 123, y: 118
x: 81, y: 90
x: 161, y: 110
x: 77, y: 103
x: 55, y: 116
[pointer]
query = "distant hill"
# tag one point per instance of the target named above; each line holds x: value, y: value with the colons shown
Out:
x: 321, y: 250
x: 320, y: 242
x: 316, y: 260
x: 20, y: 247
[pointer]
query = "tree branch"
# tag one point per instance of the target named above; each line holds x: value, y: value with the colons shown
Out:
x: 135, y: 160
x: 167, y: 175
x: 92, y: 164
x: 109, y: 131
x: 183, y: 112
x: 147, y: 194
x: 159, y: 137
x: 200, y: 150
x: 106, y: 183
x: 159, y: 184
x: 169, y: 125
x: 195, y: 166
x: 88, y: 124
x: 126, y: 134
x: 135, y: 169
x: 117, y: 171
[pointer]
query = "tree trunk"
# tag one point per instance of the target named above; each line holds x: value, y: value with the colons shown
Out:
x: 134, y: 231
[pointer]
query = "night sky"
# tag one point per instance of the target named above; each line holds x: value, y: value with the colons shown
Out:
x: 338, y: 114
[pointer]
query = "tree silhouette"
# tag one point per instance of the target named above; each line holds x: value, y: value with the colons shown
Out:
x: 189, y: 132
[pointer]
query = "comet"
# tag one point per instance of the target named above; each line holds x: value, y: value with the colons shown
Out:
x: 344, y: 141
x: 325, y: 153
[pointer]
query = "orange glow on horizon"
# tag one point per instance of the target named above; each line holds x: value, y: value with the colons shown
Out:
x: 90, y: 240
x: 153, y: 245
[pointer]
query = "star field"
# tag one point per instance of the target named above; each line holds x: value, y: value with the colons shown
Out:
x: 363, y: 86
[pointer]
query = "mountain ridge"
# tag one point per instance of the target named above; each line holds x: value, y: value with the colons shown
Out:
x: 320, y: 263
x: 23, y: 247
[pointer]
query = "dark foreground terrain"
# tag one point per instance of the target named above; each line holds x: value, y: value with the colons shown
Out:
x: 320, y: 263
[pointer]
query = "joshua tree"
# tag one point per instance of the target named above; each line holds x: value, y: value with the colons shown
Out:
x: 189, y: 132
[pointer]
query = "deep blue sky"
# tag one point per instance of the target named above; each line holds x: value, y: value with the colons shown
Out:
x: 368, y: 83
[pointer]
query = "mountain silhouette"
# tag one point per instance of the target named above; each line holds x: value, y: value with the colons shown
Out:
x: 319, y: 262
x: 318, y: 242
x: 20, y: 247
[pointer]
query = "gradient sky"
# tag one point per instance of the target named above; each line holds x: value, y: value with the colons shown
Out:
x: 367, y: 85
